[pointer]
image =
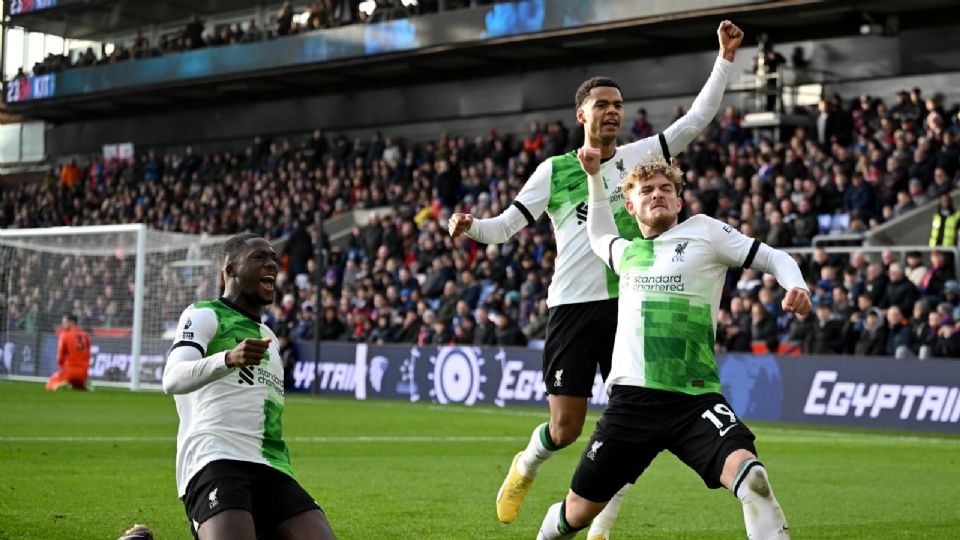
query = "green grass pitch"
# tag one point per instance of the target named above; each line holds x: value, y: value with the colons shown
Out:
x: 88, y: 465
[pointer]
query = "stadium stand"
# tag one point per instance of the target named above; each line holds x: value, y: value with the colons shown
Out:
x: 847, y: 166
x: 403, y: 279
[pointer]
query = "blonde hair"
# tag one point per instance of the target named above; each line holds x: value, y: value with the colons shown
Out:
x: 650, y: 167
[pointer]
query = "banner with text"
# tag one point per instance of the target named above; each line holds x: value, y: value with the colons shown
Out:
x: 841, y: 391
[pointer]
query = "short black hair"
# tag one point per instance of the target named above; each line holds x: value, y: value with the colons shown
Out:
x: 70, y: 317
x: 594, y: 82
x: 231, y: 246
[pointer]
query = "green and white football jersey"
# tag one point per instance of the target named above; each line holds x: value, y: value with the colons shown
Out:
x: 559, y: 187
x: 670, y: 290
x: 237, y: 416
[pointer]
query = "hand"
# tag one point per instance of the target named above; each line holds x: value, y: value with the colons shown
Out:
x: 589, y: 159
x: 797, y: 300
x: 459, y: 224
x: 248, y: 352
x: 730, y: 39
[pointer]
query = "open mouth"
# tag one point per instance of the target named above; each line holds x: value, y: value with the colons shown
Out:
x: 268, y: 282
x: 611, y: 123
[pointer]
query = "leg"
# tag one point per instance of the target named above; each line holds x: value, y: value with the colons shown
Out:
x: 573, y: 349
x: 600, y: 528
x: 565, y: 519
x: 746, y: 478
x: 57, y: 382
x: 228, y: 525
x: 567, y: 414
x: 309, y: 525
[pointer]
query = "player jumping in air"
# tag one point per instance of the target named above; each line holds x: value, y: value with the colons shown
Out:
x: 663, y: 385
x: 583, y: 294
x: 233, y: 468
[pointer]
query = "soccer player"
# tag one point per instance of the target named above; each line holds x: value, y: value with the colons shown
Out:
x: 582, y: 296
x: 233, y: 468
x: 663, y: 385
x: 73, y: 357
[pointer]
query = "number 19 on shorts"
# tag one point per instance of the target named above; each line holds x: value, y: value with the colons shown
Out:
x: 721, y: 417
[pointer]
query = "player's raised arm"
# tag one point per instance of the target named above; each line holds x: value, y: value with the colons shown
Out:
x: 601, y: 228
x: 704, y: 108
x: 529, y: 204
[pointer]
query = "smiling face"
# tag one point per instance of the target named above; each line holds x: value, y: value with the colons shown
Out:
x: 601, y: 114
x: 251, y: 274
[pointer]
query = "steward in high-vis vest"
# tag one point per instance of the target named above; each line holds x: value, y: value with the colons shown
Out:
x: 943, y: 229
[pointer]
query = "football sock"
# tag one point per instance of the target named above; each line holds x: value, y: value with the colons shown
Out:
x: 539, y: 449
x: 555, y: 526
x: 762, y: 514
x: 604, y: 521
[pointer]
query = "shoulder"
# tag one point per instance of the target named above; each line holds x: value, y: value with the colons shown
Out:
x: 561, y: 161
x: 201, y: 312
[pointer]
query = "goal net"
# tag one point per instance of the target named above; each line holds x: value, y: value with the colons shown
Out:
x: 126, y: 284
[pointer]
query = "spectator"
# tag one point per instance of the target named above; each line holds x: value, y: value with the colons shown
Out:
x: 915, y: 269
x: 899, y: 337
x: 508, y: 333
x: 876, y: 284
x: 763, y: 327
x: 827, y: 334
x: 486, y: 333
x: 284, y: 18
x: 193, y: 33
x: 641, y: 128
x: 331, y: 327
x: 900, y: 291
x: 872, y: 340
x: 946, y: 221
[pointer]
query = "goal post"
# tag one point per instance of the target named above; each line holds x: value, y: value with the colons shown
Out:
x: 127, y: 285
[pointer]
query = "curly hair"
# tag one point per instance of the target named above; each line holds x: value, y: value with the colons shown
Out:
x: 650, y: 167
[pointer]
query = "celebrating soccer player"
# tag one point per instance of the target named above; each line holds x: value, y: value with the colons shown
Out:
x: 663, y: 385
x: 233, y: 468
x: 583, y: 294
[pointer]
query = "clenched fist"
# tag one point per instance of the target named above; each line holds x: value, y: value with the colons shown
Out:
x: 730, y: 39
x: 459, y: 224
x: 248, y: 352
x: 589, y: 159
x: 798, y: 301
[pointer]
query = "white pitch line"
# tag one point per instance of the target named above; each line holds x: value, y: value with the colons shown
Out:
x: 315, y: 439
x: 766, y: 435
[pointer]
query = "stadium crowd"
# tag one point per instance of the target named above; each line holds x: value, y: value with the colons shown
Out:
x: 401, y: 278
x: 287, y: 21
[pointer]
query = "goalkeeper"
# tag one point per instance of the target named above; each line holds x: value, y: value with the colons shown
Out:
x: 73, y: 357
x: 233, y: 468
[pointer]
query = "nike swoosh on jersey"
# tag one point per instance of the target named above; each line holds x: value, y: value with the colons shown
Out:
x: 240, y: 339
x: 726, y: 429
x: 572, y: 187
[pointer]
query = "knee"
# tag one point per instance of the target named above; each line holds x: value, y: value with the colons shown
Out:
x: 565, y: 431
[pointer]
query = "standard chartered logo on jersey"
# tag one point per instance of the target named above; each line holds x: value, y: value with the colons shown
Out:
x: 661, y: 283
